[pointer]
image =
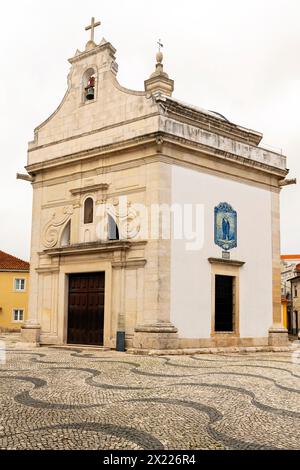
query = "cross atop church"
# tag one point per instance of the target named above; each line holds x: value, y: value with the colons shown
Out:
x: 160, y: 45
x: 92, y: 27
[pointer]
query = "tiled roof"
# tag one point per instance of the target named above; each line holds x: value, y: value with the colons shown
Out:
x: 11, y: 263
x: 290, y: 257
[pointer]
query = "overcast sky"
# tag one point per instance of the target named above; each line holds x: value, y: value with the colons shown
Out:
x: 240, y: 58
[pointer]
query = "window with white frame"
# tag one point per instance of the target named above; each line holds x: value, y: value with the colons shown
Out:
x: 20, y: 285
x: 18, y: 315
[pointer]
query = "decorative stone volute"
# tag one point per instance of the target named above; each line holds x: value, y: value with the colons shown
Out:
x: 159, y: 81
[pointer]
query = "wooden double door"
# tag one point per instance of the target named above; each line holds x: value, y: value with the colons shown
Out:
x: 86, y: 309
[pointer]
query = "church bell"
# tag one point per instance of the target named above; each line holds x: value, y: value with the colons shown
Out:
x: 90, y: 93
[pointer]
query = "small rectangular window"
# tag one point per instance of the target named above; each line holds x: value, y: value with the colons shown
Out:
x: 20, y: 285
x: 18, y: 315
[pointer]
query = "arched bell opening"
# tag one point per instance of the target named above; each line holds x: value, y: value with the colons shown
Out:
x: 89, y: 85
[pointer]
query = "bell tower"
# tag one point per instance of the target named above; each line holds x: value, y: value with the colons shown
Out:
x: 89, y: 62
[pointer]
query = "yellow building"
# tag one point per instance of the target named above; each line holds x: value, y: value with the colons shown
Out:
x: 284, y: 303
x: 14, y: 287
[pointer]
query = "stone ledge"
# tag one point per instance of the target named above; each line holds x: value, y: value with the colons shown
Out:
x: 93, y: 247
x: 129, y: 264
x: 228, y: 262
x: 159, y: 336
x: 156, y: 328
x: 25, y: 345
x: 84, y: 347
x: 88, y: 189
x: 189, y: 352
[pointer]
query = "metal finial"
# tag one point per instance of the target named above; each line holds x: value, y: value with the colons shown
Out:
x: 160, y: 45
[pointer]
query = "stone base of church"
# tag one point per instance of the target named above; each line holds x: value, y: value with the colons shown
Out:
x: 162, y: 336
x: 223, y: 340
x: 191, y: 351
x: 151, y: 343
x: 30, y: 334
x: 278, y: 337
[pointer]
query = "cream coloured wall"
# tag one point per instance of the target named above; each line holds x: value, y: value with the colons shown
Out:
x: 191, y: 303
x: 124, y: 272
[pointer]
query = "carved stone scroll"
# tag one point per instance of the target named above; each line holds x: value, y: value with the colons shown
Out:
x: 53, y: 228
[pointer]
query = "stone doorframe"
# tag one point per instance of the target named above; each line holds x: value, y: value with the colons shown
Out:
x: 231, y: 268
x: 63, y: 296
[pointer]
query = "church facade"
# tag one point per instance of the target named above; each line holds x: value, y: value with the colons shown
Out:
x: 150, y: 217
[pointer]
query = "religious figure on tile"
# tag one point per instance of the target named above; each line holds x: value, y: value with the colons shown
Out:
x: 226, y: 228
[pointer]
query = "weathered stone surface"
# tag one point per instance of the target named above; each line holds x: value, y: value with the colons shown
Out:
x: 278, y: 337
x: 31, y: 334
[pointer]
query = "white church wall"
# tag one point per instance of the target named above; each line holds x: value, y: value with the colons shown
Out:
x: 191, y: 301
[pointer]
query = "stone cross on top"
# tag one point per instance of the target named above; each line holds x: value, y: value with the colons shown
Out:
x: 92, y: 27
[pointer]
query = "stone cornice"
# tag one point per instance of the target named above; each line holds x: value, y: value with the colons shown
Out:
x: 209, y: 120
x: 157, y: 139
x: 93, y: 247
x: 121, y: 192
x: 93, y: 152
x: 34, y: 148
x: 90, y: 189
x: 94, y: 51
x: 227, y: 262
x: 47, y: 270
x: 216, y: 142
x: 187, y: 133
x: 129, y: 264
x: 228, y: 156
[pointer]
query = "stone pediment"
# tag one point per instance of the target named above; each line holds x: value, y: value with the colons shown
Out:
x: 78, y: 118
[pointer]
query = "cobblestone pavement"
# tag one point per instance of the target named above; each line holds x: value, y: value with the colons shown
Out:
x: 56, y: 398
